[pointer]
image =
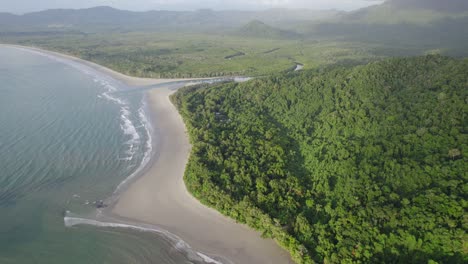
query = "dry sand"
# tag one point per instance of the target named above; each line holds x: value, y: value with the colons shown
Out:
x: 160, y: 197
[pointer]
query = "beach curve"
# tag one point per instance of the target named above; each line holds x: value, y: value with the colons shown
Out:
x: 159, y: 197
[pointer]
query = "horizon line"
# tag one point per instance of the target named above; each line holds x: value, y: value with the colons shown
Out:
x: 187, y: 10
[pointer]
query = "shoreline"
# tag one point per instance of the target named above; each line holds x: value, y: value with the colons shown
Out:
x: 174, y: 209
x: 128, y: 80
x: 158, y: 196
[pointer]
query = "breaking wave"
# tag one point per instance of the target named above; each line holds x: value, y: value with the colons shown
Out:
x: 148, y: 153
x: 109, y: 84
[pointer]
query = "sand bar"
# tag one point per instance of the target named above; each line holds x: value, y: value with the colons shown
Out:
x: 159, y: 196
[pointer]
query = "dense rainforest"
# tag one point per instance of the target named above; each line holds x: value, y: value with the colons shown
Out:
x: 340, y: 165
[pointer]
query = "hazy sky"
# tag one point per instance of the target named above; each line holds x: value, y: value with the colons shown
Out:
x: 22, y: 6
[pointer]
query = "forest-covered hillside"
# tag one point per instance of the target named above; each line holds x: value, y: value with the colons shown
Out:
x: 343, y: 165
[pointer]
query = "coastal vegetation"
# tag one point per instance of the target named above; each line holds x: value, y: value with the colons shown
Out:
x: 258, y: 29
x: 207, y: 43
x: 175, y: 55
x: 362, y: 164
x: 358, y: 158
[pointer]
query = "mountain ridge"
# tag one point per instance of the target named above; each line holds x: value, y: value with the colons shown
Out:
x: 110, y: 17
x: 446, y: 5
x: 407, y: 11
x: 259, y: 29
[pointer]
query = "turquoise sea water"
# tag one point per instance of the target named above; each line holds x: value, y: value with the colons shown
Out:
x: 68, y: 137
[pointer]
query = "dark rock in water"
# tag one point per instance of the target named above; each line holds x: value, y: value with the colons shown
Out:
x: 100, y: 204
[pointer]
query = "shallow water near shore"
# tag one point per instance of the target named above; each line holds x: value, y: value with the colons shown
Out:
x: 69, y: 137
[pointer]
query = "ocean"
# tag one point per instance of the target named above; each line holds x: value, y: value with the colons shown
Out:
x: 71, y: 138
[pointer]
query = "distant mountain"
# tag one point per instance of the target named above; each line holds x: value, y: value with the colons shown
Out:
x: 455, y: 6
x: 257, y: 28
x: 105, y: 18
x: 408, y: 11
x: 7, y: 18
x: 99, y: 18
x: 400, y: 25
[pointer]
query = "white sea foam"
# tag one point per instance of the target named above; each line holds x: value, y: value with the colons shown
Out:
x: 113, y: 99
x: 178, y: 243
x: 149, y: 149
x: 127, y: 126
x: 126, y: 123
x: 147, y: 125
x: 208, y: 259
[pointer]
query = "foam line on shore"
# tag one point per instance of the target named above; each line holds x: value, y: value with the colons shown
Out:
x: 178, y: 243
x: 110, y: 85
x: 147, y: 155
